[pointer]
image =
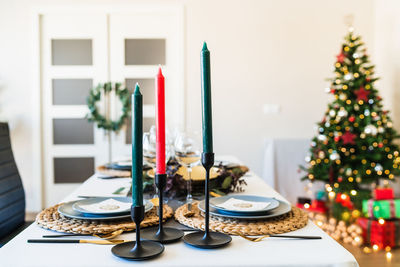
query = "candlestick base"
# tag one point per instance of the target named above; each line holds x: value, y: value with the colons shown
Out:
x: 140, y: 249
x: 165, y: 236
x: 162, y: 235
x: 212, y: 240
x: 146, y: 250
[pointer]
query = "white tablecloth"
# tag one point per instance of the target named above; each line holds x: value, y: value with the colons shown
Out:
x: 269, y: 252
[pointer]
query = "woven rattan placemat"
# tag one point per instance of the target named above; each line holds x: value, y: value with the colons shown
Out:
x: 111, y: 172
x: 50, y: 219
x: 291, y: 221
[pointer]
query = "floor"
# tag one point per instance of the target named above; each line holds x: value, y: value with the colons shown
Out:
x: 374, y: 259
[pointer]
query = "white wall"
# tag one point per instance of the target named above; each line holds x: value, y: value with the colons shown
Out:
x: 276, y: 52
x: 387, y: 55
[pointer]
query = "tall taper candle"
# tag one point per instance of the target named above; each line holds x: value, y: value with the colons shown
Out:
x: 137, y: 147
x: 160, y: 122
x: 206, y: 100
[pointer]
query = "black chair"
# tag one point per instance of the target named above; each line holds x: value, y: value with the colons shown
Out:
x: 12, y: 195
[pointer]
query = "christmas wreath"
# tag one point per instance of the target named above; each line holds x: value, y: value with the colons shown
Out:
x: 95, y: 96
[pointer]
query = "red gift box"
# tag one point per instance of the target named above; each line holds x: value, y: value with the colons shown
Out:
x: 383, y: 193
x: 316, y: 206
x: 382, y: 233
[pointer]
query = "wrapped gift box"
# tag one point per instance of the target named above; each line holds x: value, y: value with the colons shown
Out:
x: 386, y: 209
x: 315, y: 206
x: 382, y: 233
x: 383, y: 193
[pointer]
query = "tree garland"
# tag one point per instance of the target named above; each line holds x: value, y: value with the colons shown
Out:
x: 95, y: 96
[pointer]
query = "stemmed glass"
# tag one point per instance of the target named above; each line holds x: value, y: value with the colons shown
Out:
x: 149, y: 152
x: 187, y: 153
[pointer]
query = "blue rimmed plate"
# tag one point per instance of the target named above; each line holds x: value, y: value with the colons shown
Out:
x: 67, y: 210
x: 217, y: 201
x: 282, y: 209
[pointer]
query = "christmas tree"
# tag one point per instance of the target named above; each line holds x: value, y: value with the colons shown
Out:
x: 353, y: 150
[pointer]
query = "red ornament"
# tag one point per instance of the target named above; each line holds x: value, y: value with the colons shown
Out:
x: 340, y: 179
x: 344, y: 200
x: 340, y: 57
x: 352, y: 119
x: 380, y: 145
x: 348, y: 138
x: 333, y: 91
x: 362, y: 94
x: 336, y: 138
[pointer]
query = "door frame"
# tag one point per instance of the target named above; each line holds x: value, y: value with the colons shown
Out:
x: 37, y: 200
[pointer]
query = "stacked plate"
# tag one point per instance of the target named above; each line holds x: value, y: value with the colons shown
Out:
x: 120, y: 165
x: 100, y: 208
x: 246, y: 207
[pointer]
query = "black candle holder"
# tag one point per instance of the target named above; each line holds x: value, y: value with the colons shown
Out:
x: 167, y: 234
x: 206, y: 239
x: 140, y: 249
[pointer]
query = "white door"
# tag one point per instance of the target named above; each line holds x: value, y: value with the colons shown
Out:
x: 139, y: 42
x: 81, y: 50
x: 74, y: 58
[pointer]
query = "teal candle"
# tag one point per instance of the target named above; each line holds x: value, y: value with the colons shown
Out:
x: 206, y: 100
x: 137, y: 147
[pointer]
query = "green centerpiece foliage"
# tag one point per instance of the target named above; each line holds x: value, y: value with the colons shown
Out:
x: 229, y: 179
x: 353, y: 149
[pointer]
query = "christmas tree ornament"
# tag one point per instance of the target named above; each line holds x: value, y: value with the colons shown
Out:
x: 340, y: 58
x: 348, y: 76
x: 371, y: 130
x: 348, y: 138
x: 342, y: 113
x: 362, y: 94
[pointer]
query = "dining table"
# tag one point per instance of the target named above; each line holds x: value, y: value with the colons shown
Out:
x: 240, y: 252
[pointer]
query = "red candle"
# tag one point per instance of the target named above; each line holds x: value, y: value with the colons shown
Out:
x: 160, y: 122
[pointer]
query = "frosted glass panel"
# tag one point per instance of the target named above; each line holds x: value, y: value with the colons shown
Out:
x: 147, y: 87
x: 147, y: 123
x: 71, y: 52
x: 71, y: 91
x: 72, y: 170
x: 72, y: 132
x: 144, y: 51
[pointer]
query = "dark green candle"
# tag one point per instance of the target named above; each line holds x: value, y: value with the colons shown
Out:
x: 206, y: 100
x: 137, y: 147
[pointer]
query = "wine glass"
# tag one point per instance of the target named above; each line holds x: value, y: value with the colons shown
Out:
x: 187, y: 153
x: 150, y: 152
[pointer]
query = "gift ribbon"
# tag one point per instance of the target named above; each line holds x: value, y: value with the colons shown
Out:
x: 397, y: 232
x: 369, y: 222
x: 392, y: 209
x: 371, y: 208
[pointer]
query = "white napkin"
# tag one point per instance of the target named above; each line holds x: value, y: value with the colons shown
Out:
x: 243, y: 205
x: 108, y: 205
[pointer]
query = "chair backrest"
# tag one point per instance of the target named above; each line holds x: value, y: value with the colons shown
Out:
x: 12, y: 196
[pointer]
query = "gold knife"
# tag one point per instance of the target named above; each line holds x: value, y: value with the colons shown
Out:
x: 86, y: 241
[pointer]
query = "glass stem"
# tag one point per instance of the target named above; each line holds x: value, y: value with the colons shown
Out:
x: 189, y: 198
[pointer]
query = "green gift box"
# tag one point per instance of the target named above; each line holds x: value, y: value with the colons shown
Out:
x: 385, y: 209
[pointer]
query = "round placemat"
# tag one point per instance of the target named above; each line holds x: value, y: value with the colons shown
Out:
x: 288, y: 222
x: 112, y: 172
x: 50, y: 219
